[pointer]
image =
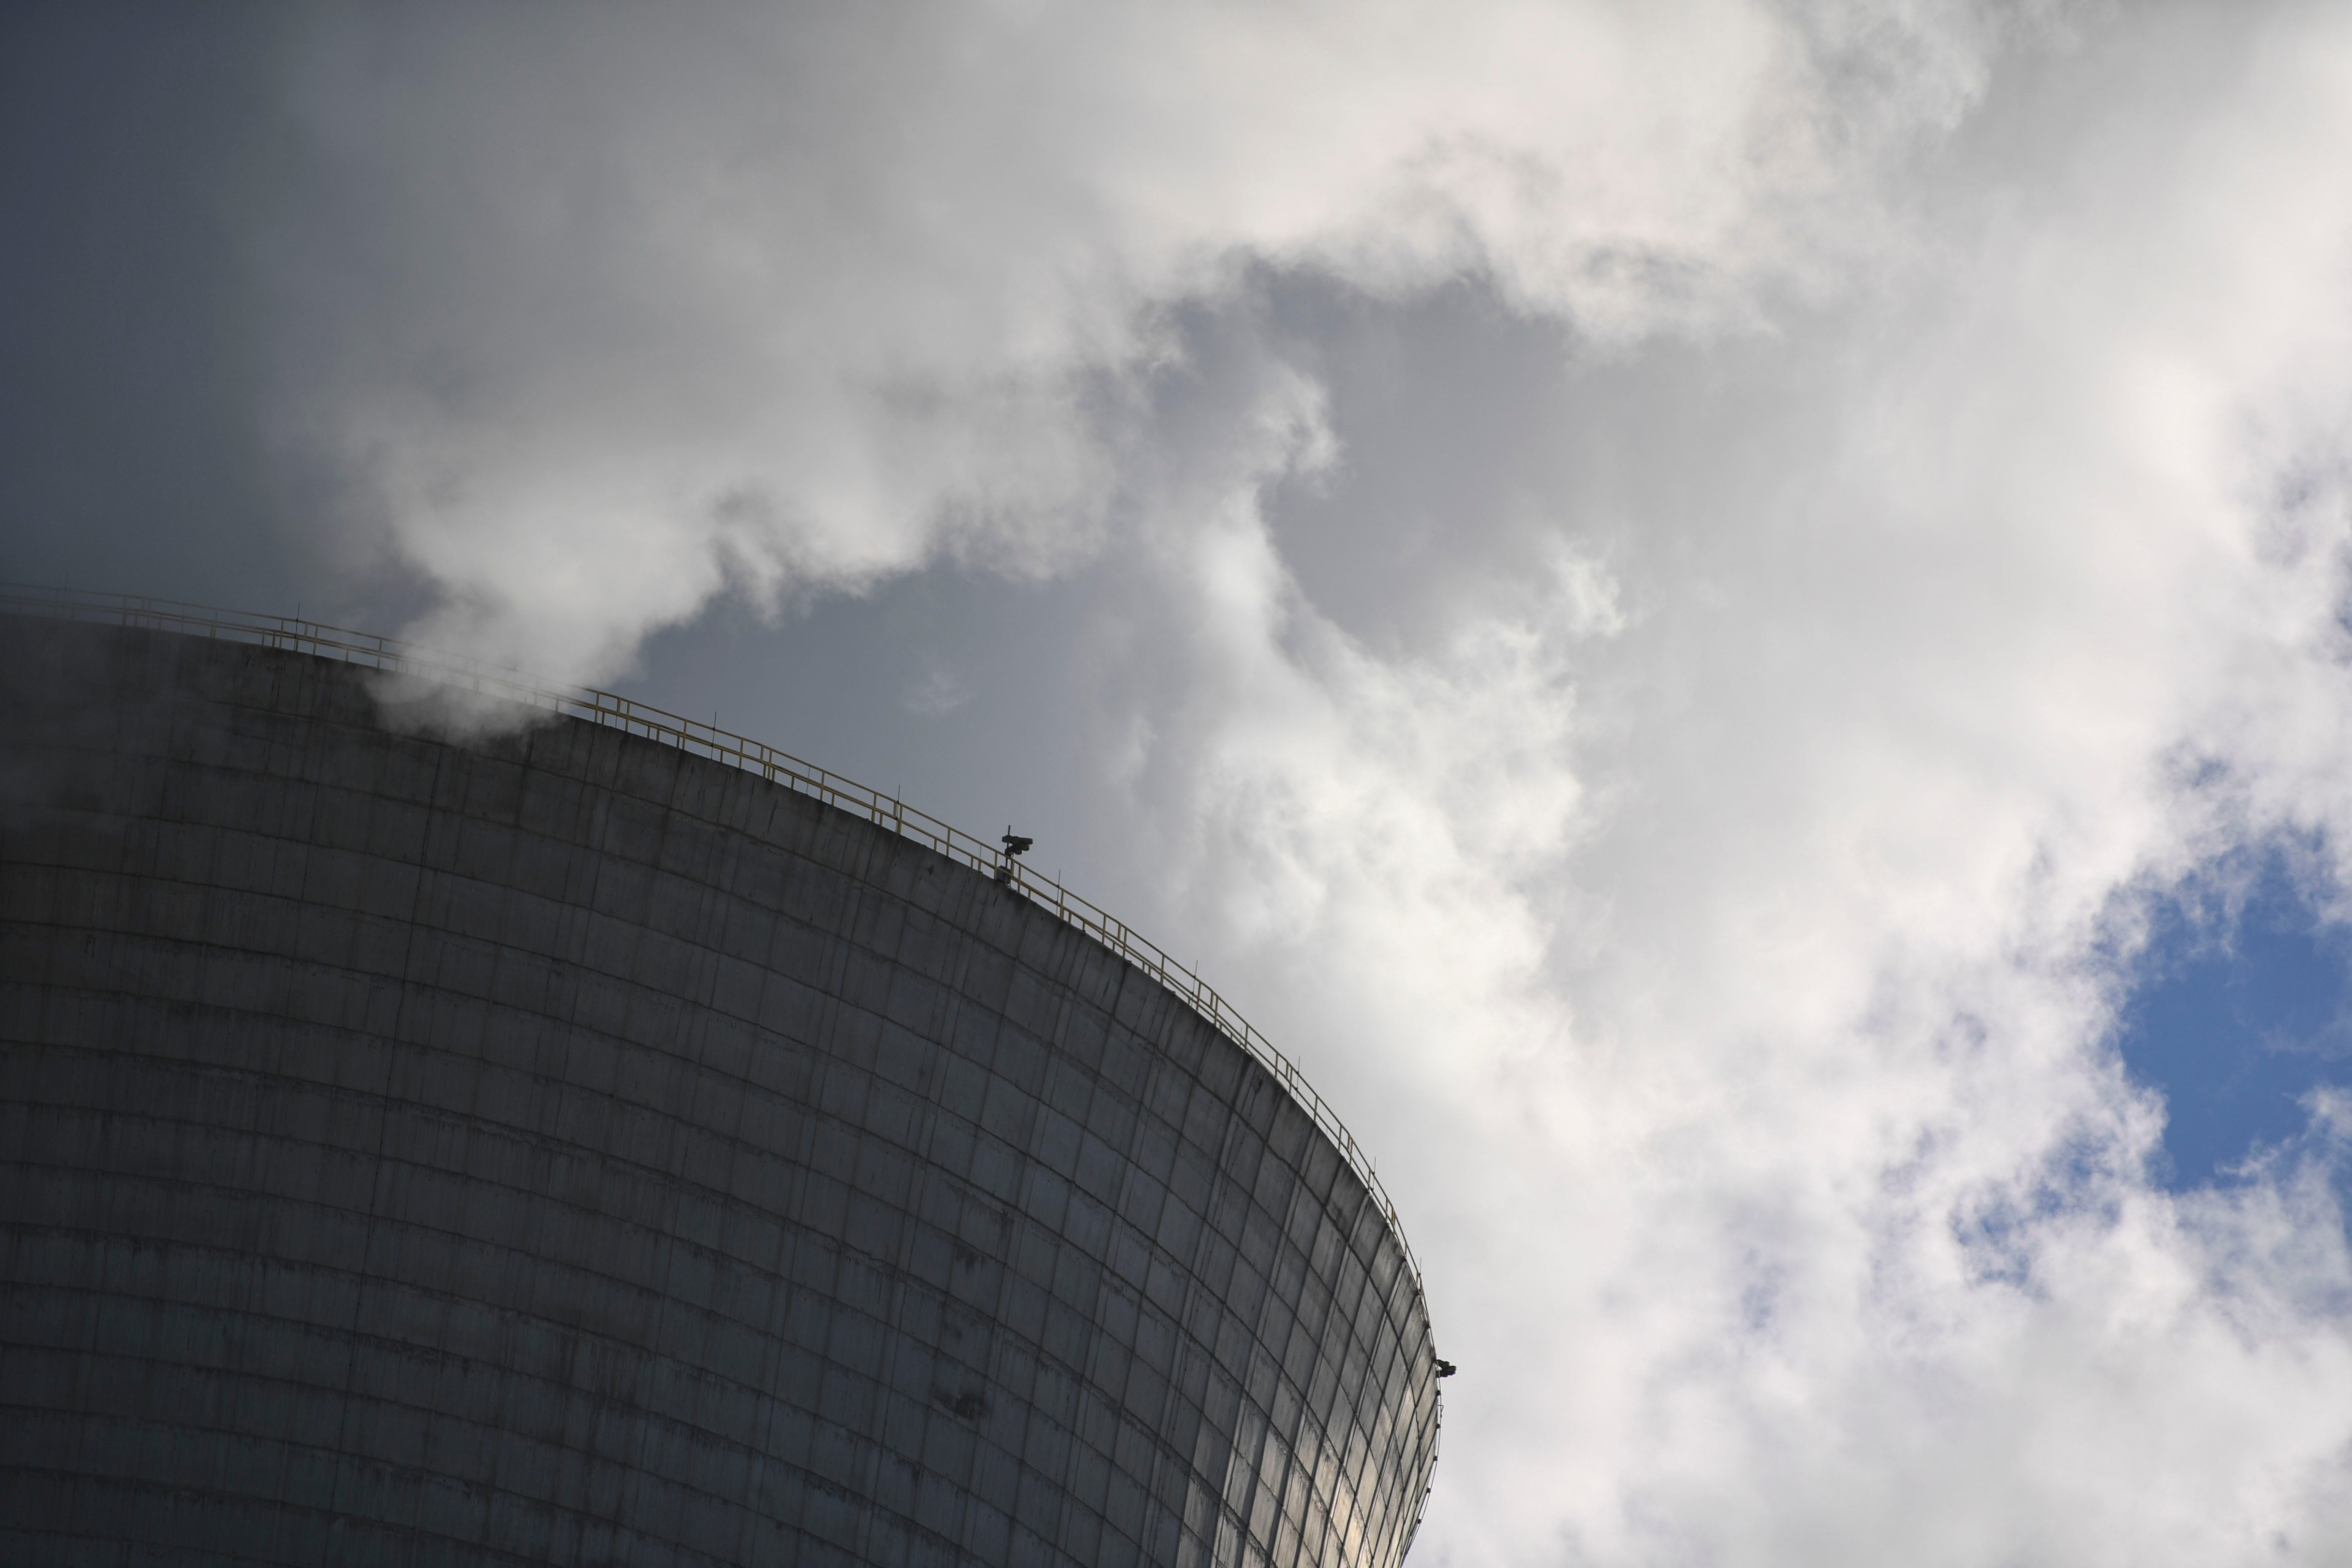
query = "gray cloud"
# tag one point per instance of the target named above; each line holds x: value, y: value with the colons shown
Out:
x: 131, y: 157
x: 596, y: 317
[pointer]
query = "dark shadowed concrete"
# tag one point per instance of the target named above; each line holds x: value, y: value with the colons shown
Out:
x: 558, y: 1148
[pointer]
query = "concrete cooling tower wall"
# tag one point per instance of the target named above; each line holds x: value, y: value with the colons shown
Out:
x: 558, y: 1147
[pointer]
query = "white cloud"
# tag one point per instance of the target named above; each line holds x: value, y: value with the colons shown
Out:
x: 599, y: 313
x: 1943, y: 534
x: 1726, y: 993
x: 938, y: 691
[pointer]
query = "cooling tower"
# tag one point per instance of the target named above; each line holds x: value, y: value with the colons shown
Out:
x: 585, y: 1146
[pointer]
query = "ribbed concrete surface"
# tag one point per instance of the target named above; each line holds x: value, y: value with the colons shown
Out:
x: 561, y: 1150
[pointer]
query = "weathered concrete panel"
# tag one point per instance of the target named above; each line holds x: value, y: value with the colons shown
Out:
x: 558, y: 1148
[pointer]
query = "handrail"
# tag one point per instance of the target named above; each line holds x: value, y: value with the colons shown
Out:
x: 296, y: 634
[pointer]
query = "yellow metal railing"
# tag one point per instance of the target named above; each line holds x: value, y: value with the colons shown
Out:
x: 694, y: 735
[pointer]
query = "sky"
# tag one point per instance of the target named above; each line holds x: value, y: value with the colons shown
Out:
x: 1730, y: 619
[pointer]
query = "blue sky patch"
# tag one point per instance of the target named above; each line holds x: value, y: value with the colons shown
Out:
x: 2239, y: 1007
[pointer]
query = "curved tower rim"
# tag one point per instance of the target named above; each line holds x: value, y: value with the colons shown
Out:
x: 693, y: 736
x: 441, y: 1129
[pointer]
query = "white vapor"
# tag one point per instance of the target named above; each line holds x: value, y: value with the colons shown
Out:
x: 596, y: 313
x: 1935, y: 545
